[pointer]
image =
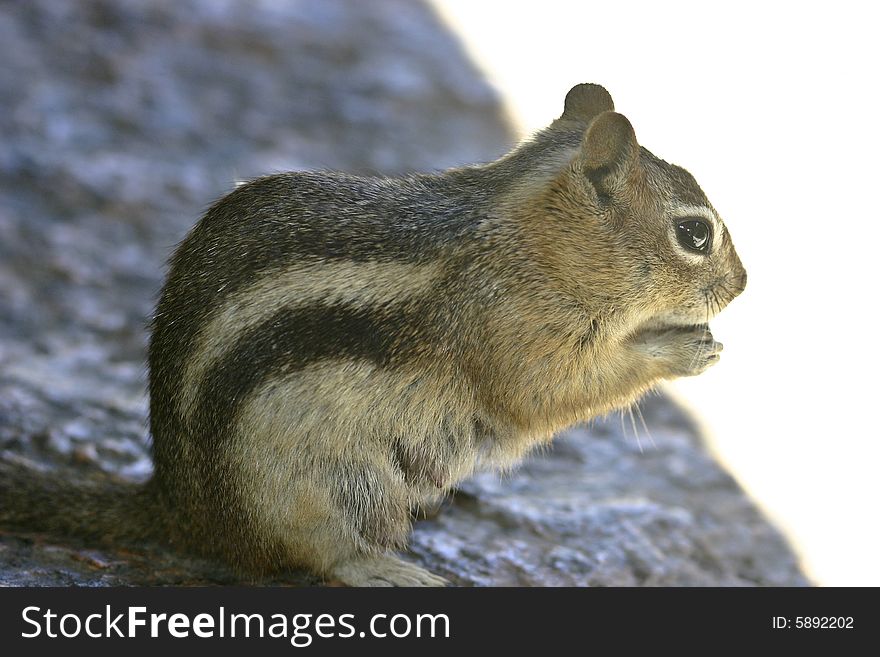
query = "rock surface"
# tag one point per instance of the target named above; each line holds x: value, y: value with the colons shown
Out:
x: 122, y: 120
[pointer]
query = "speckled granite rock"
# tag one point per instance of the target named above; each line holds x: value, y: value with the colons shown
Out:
x: 123, y: 120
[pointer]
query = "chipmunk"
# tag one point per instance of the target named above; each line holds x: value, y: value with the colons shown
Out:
x: 331, y: 352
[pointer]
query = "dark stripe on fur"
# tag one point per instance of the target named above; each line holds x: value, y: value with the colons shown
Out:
x: 293, y: 339
x: 263, y: 226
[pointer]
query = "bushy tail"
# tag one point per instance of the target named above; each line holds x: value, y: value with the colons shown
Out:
x: 108, y: 512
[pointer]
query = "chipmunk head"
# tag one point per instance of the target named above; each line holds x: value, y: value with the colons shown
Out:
x: 669, y: 245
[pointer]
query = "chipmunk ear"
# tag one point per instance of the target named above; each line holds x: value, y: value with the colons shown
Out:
x: 609, y: 153
x: 585, y: 101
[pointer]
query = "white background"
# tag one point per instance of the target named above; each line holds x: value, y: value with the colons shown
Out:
x: 773, y: 107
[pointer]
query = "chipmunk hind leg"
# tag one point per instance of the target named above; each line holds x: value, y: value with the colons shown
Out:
x: 355, y: 529
x: 326, y: 495
x: 341, y: 520
x: 373, y: 503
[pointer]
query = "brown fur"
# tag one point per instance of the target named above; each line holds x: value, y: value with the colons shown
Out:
x: 331, y: 353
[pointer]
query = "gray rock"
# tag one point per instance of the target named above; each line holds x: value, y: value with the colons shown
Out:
x: 610, y: 505
x: 122, y: 120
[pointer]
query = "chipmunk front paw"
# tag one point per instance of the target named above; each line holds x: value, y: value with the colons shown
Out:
x: 684, y: 350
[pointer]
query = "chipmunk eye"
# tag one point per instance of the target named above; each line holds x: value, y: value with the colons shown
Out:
x: 695, y: 235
